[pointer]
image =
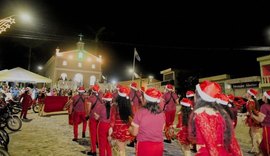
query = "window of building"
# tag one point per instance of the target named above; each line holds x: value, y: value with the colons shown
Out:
x: 64, y: 76
x: 64, y: 63
x: 168, y: 77
x: 78, y: 79
x: 79, y: 64
x: 80, y: 55
x: 92, y: 80
x: 93, y: 66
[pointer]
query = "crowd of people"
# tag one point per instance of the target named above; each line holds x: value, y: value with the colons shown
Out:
x: 132, y: 116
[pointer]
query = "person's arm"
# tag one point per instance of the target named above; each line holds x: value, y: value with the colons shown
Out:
x: 134, y: 129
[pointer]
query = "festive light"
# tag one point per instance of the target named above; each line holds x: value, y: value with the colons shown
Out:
x: 5, y: 23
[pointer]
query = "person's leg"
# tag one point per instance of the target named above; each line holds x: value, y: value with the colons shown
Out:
x: 75, y: 125
x: 93, y: 134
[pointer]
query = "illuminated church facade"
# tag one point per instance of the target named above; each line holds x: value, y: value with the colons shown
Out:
x: 71, y: 69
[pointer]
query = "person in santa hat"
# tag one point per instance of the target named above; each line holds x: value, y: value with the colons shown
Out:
x: 171, y: 100
x: 103, y: 116
x: 253, y: 108
x: 121, y: 115
x: 264, y: 118
x: 182, y: 135
x: 94, y: 103
x: 223, y: 101
x: 148, y: 125
x: 26, y: 101
x: 77, y: 110
x: 115, y: 92
x: 210, y: 125
x: 233, y: 109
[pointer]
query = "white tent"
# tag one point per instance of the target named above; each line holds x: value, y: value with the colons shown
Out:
x: 21, y: 75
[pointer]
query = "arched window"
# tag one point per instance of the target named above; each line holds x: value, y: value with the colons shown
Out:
x: 64, y: 63
x: 64, y: 76
x: 78, y: 79
x: 92, y: 80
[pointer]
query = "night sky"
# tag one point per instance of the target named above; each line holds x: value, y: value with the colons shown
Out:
x: 207, y: 40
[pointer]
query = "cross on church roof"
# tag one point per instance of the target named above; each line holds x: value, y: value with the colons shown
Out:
x: 80, y: 36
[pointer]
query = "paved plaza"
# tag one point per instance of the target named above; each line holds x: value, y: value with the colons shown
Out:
x: 51, y: 136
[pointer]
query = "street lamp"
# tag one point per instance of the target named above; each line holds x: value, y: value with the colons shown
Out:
x: 40, y: 67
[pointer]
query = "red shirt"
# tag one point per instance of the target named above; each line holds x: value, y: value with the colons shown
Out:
x: 78, y: 106
x: 135, y: 99
x: 101, y: 111
x: 171, y: 105
x: 27, y: 100
x: 93, y: 99
x: 150, y: 125
x: 265, y: 109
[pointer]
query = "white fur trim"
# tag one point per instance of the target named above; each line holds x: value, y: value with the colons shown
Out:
x: 133, y: 87
x: 219, y: 101
x: 185, y: 104
x: 203, y: 95
x: 251, y: 93
x: 122, y: 94
x: 266, y: 95
x: 229, y: 105
x: 151, y: 99
x: 107, y: 99
x: 191, y: 95
x: 81, y: 91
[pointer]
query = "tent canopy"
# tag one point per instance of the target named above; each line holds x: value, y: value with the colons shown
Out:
x: 21, y: 75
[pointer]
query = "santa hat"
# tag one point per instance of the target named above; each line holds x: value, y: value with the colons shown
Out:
x: 124, y: 92
x: 186, y: 102
x: 152, y: 95
x: 95, y: 88
x: 81, y: 89
x: 231, y: 97
x: 252, y: 92
x: 169, y: 87
x: 133, y: 85
x: 267, y: 94
x: 107, y: 96
x: 208, y: 90
x: 190, y: 93
x: 222, y: 99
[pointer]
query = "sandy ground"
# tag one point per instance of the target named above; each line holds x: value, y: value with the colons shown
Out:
x: 51, y: 136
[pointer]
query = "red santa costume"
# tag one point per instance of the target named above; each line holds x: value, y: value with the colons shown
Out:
x: 148, y: 125
x: 103, y: 115
x: 95, y: 100
x: 254, y: 126
x: 265, y: 109
x: 233, y: 109
x: 120, y: 115
x: 182, y: 135
x: 135, y: 97
x: 171, y: 100
x: 77, y: 109
x: 210, y: 125
x: 26, y: 102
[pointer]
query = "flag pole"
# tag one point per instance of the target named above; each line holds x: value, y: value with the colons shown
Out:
x: 133, y: 67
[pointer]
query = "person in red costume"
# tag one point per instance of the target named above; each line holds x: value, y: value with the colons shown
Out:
x: 121, y: 113
x: 253, y: 108
x: 210, y: 125
x: 103, y: 116
x: 77, y: 109
x: 233, y: 109
x: 94, y: 102
x: 182, y: 135
x: 26, y: 100
x: 171, y: 100
x: 148, y: 125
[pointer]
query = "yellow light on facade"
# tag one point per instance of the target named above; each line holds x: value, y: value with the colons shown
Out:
x: 89, y: 59
x: 70, y: 57
x: 79, y: 64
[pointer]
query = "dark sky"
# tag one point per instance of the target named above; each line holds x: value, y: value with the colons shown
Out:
x: 205, y: 39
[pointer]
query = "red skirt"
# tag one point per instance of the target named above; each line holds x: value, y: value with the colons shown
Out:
x: 265, y: 144
x: 182, y: 135
x: 121, y: 132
